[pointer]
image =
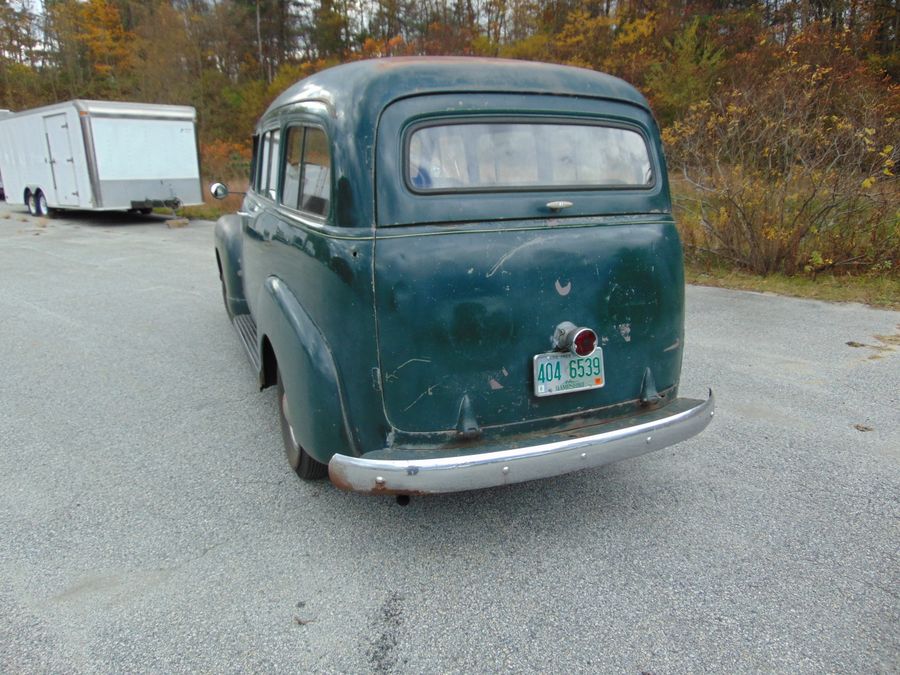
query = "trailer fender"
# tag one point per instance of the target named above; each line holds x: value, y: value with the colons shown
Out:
x: 316, y: 402
x: 228, y: 258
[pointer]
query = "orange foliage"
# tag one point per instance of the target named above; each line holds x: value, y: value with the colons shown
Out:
x: 225, y: 160
x: 107, y: 43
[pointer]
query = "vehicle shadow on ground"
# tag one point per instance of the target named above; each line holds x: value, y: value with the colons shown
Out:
x: 108, y: 218
x: 613, y: 490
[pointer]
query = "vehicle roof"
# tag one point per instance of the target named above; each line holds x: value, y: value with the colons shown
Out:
x: 379, y: 82
x: 116, y: 109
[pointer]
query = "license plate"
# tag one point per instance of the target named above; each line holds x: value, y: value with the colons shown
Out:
x: 563, y: 372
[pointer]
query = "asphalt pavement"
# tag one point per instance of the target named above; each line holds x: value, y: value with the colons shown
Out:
x: 150, y: 523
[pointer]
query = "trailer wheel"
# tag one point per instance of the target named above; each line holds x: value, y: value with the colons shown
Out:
x: 40, y: 204
x: 30, y: 203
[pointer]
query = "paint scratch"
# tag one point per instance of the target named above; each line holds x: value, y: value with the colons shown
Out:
x: 425, y: 393
x: 673, y: 346
x: 509, y: 254
x: 393, y: 374
x: 563, y: 290
x: 494, y: 384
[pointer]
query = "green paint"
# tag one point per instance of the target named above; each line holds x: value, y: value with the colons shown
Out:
x: 400, y: 311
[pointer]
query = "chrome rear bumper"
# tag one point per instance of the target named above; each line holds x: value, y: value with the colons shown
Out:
x: 499, y: 467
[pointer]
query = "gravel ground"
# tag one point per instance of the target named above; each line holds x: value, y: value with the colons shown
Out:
x: 149, y: 522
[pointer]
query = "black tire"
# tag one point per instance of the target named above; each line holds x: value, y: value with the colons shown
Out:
x: 305, y: 466
x: 40, y: 201
x: 146, y: 211
x: 30, y: 203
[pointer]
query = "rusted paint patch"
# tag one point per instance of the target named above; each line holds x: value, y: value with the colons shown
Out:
x: 494, y: 384
x: 625, y: 331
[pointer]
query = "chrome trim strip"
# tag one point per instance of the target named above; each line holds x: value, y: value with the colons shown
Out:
x: 87, y: 133
x: 501, y: 467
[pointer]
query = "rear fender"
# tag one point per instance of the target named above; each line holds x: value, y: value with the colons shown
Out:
x: 229, y: 250
x: 316, y: 403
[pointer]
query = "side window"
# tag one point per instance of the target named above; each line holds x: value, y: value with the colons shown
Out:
x: 307, y: 171
x: 272, y: 185
x: 293, y: 155
x: 315, y: 193
x: 262, y: 178
x: 267, y: 183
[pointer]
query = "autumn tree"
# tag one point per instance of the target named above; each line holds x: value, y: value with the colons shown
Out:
x: 793, y: 170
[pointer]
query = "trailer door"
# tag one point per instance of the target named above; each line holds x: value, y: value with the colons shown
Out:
x: 62, y: 162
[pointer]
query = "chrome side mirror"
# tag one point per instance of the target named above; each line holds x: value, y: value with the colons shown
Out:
x: 218, y: 190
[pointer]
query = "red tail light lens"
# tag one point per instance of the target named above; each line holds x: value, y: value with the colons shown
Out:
x: 584, y: 342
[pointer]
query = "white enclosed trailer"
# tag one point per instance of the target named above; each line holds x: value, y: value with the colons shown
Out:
x: 100, y: 155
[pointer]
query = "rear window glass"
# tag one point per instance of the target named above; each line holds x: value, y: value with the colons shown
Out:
x: 525, y: 155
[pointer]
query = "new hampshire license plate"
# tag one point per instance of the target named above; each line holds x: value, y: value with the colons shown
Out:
x: 564, y: 372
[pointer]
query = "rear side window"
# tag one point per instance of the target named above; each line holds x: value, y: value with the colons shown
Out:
x: 525, y: 155
x: 307, y: 171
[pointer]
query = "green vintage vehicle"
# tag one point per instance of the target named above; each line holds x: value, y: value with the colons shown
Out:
x: 460, y: 273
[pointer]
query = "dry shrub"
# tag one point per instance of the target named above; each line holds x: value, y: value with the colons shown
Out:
x: 793, y: 170
x: 225, y: 161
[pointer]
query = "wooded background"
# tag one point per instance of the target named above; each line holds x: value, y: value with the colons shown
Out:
x: 780, y: 117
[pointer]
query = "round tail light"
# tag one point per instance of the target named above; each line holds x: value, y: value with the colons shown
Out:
x: 584, y: 342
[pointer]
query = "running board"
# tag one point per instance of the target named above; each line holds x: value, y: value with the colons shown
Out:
x: 246, y: 330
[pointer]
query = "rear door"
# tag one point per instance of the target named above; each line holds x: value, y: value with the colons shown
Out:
x: 499, y: 218
x: 62, y: 161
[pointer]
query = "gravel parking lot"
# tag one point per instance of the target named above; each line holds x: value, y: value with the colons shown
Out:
x: 149, y: 521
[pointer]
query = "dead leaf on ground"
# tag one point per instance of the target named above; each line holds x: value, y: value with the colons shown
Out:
x: 862, y: 427
x: 853, y: 343
x: 889, y: 339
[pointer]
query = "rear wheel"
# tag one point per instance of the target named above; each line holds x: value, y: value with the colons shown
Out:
x: 31, y: 203
x: 305, y: 466
x: 41, y: 206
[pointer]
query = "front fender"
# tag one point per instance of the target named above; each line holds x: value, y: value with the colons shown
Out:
x: 229, y: 247
x: 316, y: 403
